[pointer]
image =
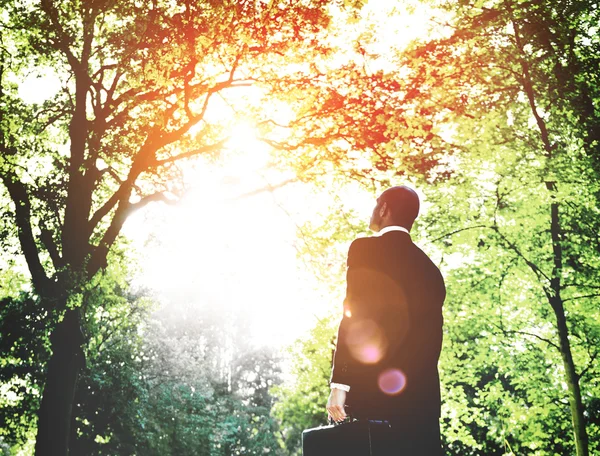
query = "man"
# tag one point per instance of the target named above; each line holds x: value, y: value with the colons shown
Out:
x: 390, y: 336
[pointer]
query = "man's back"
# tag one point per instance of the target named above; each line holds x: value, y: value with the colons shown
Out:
x: 390, y: 338
x: 393, y: 334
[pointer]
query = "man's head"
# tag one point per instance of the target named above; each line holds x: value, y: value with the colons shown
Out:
x: 396, y: 206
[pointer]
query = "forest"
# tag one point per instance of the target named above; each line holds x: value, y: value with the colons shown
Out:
x: 181, y: 180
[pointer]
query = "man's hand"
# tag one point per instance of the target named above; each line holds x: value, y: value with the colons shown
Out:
x: 335, y: 404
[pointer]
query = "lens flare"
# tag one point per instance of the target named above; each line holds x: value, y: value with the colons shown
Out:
x: 369, y: 354
x: 391, y: 381
x: 366, y: 341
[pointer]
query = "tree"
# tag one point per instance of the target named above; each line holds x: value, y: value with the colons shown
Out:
x: 113, y: 314
x: 531, y: 102
x: 136, y: 84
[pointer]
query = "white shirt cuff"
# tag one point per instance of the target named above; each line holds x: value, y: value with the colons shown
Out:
x: 340, y: 386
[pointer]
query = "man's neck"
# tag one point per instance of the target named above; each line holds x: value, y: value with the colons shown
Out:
x: 387, y: 229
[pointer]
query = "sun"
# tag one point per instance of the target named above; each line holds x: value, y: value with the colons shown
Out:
x: 242, y: 134
x: 245, y: 152
x: 228, y: 248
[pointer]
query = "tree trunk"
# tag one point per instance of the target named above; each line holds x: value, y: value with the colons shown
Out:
x: 54, y: 416
x: 575, y: 403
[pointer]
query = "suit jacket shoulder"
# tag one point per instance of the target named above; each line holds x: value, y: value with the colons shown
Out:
x: 359, y: 249
x: 395, y: 255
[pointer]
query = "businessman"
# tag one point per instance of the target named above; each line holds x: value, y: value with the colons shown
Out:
x: 390, y: 335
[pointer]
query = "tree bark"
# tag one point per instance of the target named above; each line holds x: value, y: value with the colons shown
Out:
x: 571, y: 377
x: 54, y: 415
x: 575, y: 402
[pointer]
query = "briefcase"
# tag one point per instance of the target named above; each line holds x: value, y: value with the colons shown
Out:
x: 355, y: 438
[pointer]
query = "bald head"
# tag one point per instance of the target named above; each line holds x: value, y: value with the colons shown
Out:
x: 396, y: 206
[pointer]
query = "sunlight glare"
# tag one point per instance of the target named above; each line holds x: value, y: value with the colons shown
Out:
x: 246, y: 152
x: 366, y: 341
x: 234, y: 255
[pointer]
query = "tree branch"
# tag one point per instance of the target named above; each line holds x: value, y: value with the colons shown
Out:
x: 105, y: 208
x: 50, y: 245
x: 152, y: 198
x: 538, y: 272
x: 100, y: 252
x: 124, y: 210
x: 451, y: 233
x: 524, y: 333
x: 18, y: 193
x: 63, y: 39
x: 191, y: 153
x: 529, y: 91
x: 595, y: 295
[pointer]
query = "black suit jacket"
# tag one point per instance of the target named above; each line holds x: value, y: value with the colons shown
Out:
x: 390, y: 336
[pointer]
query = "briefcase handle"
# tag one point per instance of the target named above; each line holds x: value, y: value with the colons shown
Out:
x: 349, y: 418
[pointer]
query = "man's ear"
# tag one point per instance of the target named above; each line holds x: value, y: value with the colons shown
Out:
x: 383, y: 209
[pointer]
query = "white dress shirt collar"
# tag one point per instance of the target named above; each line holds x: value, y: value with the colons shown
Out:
x: 387, y: 229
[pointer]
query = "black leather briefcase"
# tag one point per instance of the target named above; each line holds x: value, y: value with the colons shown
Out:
x: 356, y: 438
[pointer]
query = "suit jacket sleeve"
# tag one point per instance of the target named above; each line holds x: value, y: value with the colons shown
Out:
x: 344, y: 366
